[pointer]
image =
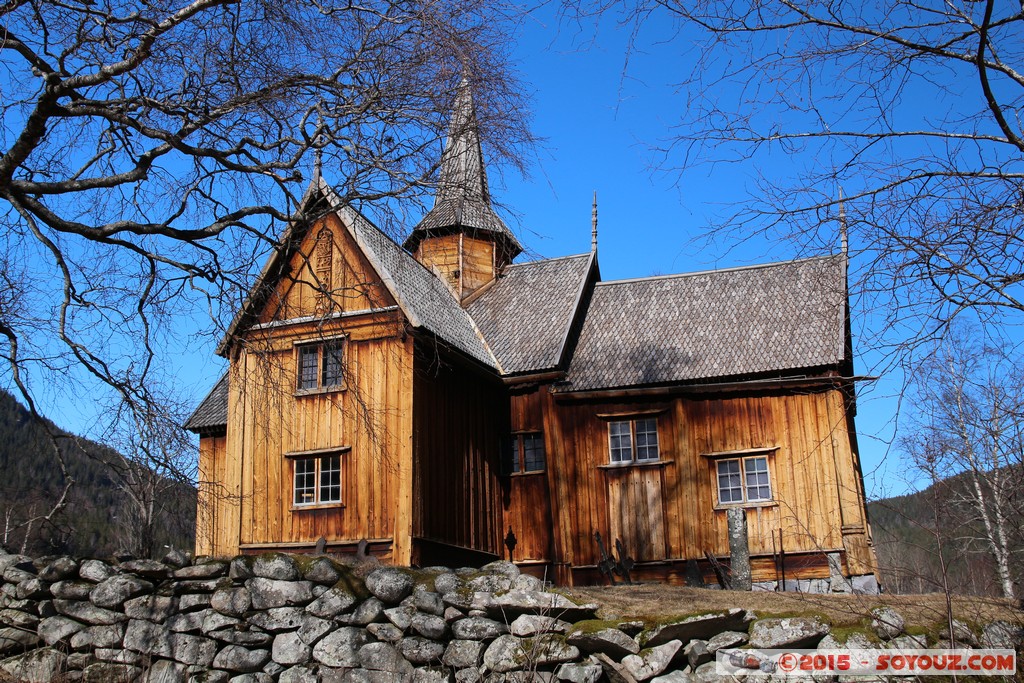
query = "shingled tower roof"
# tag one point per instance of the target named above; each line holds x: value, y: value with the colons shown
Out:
x: 463, y: 201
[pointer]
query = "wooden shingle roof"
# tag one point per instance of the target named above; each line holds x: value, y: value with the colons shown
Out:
x: 712, y: 325
x: 525, y: 315
x: 213, y: 411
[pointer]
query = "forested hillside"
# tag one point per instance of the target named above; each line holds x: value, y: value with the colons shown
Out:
x: 100, y: 519
x: 909, y: 530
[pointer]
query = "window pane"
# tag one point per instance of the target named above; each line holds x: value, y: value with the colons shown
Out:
x: 533, y: 452
x: 620, y: 442
x: 332, y: 372
x: 758, y: 486
x: 305, y: 481
x: 308, y: 366
x: 730, y: 488
x: 330, y: 479
x: 510, y: 455
x: 647, y: 439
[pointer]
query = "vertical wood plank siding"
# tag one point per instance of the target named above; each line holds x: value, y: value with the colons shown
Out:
x: 459, y: 419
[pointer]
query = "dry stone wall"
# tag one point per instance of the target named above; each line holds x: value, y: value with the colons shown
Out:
x: 299, y: 619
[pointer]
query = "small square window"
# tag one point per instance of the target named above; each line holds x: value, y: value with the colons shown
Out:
x: 321, y: 366
x: 523, y: 453
x: 743, y: 480
x: 317, y: 480
x: 633, y: 440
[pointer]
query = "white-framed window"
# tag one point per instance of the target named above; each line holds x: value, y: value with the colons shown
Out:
x: 633, y: 440
x: 524, y: 453
x: 743, y: 480
x: 317, y: 480
x: 321, y: 366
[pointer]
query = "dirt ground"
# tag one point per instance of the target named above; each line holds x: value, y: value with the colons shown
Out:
x: 655, y: 602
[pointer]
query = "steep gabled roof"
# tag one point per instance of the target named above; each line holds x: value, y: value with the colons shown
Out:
x: 526, y: 314
x: 423, y: 298
x: 463, y: 199
x: 213, y: 411
x: 713, y: 325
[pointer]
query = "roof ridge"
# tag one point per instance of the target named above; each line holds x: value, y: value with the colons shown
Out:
x: 546, y: 260
x: 756, y: 266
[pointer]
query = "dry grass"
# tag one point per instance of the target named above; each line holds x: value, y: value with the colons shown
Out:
x: 655, y: 602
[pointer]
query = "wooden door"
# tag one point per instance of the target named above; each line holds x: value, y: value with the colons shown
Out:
x: 635, y: 511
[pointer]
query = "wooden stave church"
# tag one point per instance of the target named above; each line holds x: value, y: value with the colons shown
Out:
x: 449, y: 406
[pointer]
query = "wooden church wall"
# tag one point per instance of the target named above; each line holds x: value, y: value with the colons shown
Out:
x: 668, y: 510
x: 459, y: 420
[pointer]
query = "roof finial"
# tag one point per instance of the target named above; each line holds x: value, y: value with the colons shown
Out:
x: 843, y: 242
x: 318, y: 162
x: 593, y: 225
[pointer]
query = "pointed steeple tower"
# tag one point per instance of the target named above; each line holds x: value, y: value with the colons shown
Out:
x: 462, y: 238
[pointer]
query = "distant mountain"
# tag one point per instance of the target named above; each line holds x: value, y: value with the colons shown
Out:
x: 99, y: 519
x: 908, y: 531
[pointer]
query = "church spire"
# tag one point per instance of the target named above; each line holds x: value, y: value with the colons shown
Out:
x: 462, y: 203
x: 593, y: 225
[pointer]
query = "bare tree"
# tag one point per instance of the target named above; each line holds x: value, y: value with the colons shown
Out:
x: 151, y: 153
x: 912, y: 110
x: 967, y: 436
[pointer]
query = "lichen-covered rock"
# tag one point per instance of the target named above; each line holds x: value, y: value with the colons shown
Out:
x: 366, y: 612
x: 490, y: 583
x: 207, y: 570
x: 340, y: 648
x: 151, y: 607
x: 117, y: 590
x: 15, y: 641
x: 109, y: 635
x: 289, y: 649
x: 297, y: 674
x: 388, y: 633
x: 278, y: 619
x: 461, y: 654
x: 384, y: 657
x: 87, y: 612
x: 389, y: 585
x: 71, y: 590
x: 39, y: 666
x: 322, y: 571
x: 105, y: 672
x: 150, y: 569
x: 240, y: 659
x: 420, y: 650
x: 579, y: 673
x: 702, y: 626
x: 1001, y: 635
x: 610, y: 641
x: 331, y: 603
x: 508, y: 653
x: 726, y: 639
x: 429, y: 602
x: 795, y: 632
x: 18, y: 619
x: 651, y: 661
x: 447, y: 583
x: 269, y: 593
x: 148, y: 638
x: 516, y: 602
x: 192, y: 650
x: 166, y: 671
x: 233, y: 602
x: 887, y: 622
x: 478, y: 628
x: 277, y: 566
x: 503, y: 567
x: 961, y: 634
x: 57, y: 629
x: 526, y: 625
x: 401, y: 616
x: 696, y: 652
x: 428, y: 626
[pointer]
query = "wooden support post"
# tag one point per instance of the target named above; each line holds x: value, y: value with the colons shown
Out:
x: 739, y: 550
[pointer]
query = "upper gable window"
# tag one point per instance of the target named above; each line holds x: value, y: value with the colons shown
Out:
x: 633, y: 440
x: 321, y: 366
